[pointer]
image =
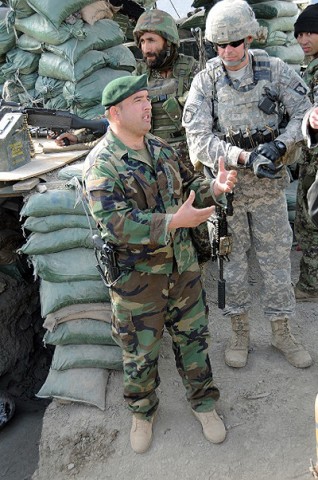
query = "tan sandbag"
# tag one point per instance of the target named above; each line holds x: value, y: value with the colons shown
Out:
x: 97, y: 11
x: 95, y: 311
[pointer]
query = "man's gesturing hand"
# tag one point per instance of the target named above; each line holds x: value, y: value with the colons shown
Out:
x: 188, y: 216
x: 313, y: 119
x: 225, y: 179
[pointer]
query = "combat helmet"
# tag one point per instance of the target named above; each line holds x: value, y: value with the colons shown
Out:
x: 230, y: 20
x: 159, y: 22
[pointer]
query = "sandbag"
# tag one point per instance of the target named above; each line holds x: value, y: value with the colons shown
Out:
x: 64, y: 239
x: 275, y: 8
x: 289, y: 54
x: 97, y: 11
x: 73, y: 265
x: 53, y: 202
x: 87, y: 356
x: 47, y: 87
x: 51, y: 223
x: 21, y: 8
x: 95, y: 311
x: 7, y: 35
x: 70, y: 171
x: 56, y: 11
x: 103, y: 34
x: 39, y: 28
x: 91, y: 112
x: 55, y: 103
x: 21, y: 61
x: 88, y: 91
x: 283, y: 24
x: 54, y: 296
x: 19, y: 84
x: 83, y: 385
x: 80, y: 332
x: 29, y: 44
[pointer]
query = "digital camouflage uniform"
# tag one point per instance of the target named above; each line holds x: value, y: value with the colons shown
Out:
x: 306, y: 231
x: 132, y: 202
x: 217, y: 109
x: 168, y: 96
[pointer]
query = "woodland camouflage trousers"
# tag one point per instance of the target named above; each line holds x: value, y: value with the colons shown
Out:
x: 143, y: 304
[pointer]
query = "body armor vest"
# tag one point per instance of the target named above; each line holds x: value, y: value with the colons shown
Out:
x: 239, y: 119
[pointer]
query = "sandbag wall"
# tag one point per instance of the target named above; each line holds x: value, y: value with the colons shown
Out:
x: 279, y: 17
x: 74, y: 300
x: 65, y: 52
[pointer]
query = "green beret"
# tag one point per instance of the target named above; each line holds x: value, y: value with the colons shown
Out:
x: 117, y: 90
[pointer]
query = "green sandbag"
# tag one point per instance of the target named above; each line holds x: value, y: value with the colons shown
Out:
x: 21, y: 8
x: 64, y: 239
x: 19, y: 84
x: 55, y: 103
x: 29, y: 44
x: 82, y: 385
x: 80, y: 332
x: 87, y: 356
x: 196, y: 20
x: 72, y: 265
x: 70, y: 171
x: 55, y: 296
x: 40, y: 29
x: 283, y: 24
x: 2, y: 77
x: 21, y: 61
x: 7, y: 35
x: 47, y: 87
x: 275, y: 8
x: 289, y: 54
x: 91, y: 112
x: 56, y: 11
x: 51, y: 223
x: 53, y: 202
x: 88, y: 91
x: 103, y: 34
x: 274, y: 38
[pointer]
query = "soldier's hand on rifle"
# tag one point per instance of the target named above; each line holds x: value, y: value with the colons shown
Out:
x: 66, y: 138
x: 225, y: 179
x: 187, y: 216
x: 262, y: 159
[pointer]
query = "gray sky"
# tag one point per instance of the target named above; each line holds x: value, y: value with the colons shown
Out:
x: 182, y: 7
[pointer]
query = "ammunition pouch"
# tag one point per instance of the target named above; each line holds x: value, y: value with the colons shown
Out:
x: 173, y: 109
x: 249, y: 139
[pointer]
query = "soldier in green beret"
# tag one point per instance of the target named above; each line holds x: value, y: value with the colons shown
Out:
x: 144, y: 201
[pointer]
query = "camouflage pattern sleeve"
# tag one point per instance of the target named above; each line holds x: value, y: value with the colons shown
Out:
x: 292, y: 92
x: 204, y: 144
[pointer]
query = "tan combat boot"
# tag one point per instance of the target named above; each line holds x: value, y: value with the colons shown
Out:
x: 237, y: 350
x: 212, y: 426
x: 141, y: 434
x: 285, y: 342
x: 303, y: 296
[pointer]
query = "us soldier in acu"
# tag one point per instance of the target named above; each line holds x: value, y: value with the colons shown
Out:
x: 142, y: 199
x: 306, y: 289
x: 233, y: 110
x: 169, y: 78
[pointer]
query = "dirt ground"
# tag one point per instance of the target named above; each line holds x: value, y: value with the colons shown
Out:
x: 268, y: 408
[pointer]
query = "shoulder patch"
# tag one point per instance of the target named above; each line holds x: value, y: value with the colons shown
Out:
x: 300, y: 89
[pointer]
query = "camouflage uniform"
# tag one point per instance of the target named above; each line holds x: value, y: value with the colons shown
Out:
x: 219, y: 105
x: 168, y: 95
x: 306, y: 231
x: 132, y: 202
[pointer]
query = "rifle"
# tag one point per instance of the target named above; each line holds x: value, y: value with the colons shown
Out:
x: 106, y: 257
x: 57, y: 121
x: 221, y: 242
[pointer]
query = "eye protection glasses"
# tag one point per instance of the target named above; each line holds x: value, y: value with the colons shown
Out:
x: 235, y: 44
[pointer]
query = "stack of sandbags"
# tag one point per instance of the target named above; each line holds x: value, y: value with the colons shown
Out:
x: 74, y: 49
x: 74, y: 300
x: 279, y: 17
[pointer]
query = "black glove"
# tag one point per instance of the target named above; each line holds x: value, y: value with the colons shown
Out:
x: 272, y: 150
x: 262, y: 159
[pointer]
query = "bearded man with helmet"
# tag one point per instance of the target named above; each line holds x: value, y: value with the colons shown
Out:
x: 233, y: 110
x: 170, y: 74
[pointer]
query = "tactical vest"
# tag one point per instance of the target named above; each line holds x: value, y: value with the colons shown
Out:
x: 310, y: 77
x: 239, y: 119
x: 164, y: 92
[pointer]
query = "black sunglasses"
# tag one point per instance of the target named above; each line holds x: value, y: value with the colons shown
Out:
x: 232, y: 44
